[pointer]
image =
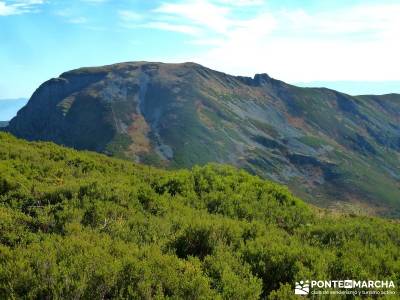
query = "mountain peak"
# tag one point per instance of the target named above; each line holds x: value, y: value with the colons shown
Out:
x: 326, y: 145
x: 262, y: 79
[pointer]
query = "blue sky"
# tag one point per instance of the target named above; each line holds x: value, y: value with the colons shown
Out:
x: 296, y: 41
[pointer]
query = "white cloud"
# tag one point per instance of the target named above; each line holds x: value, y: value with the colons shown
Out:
x: 71, y: 17
x: 132, y: 19
x: 173, y: 27
x: 203, y: 18
x: 95, y: 1
x: 17, y: 7
x: 28, y: 2
x: 129, y: 15
x: 353, y: 43
x: 198, y: 12
x: 6, y: 10
x: 357, y: 19
x: 242, y: 2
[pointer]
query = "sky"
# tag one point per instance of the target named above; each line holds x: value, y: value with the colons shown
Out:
x: 350, y: 45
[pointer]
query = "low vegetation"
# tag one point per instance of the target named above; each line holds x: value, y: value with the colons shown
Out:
x: 79, y: 225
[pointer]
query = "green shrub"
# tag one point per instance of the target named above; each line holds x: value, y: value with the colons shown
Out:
x: 79, y: 225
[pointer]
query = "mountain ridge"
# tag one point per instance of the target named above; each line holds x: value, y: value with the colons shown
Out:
x: 329, y: 147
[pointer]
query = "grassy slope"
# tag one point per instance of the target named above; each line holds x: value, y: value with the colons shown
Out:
x: 81, y: 225
x: 363, y: 177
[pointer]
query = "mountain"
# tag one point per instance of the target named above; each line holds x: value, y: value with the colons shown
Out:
x: 9, y: 107
x: 80, y: 225
x: 330, y: 148
x: 3, y: 123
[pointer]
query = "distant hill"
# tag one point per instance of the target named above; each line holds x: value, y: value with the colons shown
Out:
x: 330, y: 148
x: 3, y: 123
x: 357, y: 87
x: 79, y: 225
x: 10, y: 107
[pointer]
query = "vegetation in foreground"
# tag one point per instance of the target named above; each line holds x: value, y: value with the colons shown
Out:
x: 79, y: 225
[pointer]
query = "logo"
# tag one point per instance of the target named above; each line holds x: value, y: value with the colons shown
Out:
x: 348, y: 284
x: 345, y: 287
x: 302, y: 288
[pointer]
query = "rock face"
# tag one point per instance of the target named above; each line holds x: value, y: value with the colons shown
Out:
x: 327, y: 146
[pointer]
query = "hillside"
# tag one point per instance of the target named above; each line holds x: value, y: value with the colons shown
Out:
x: 80, y: 225
x: 330, y: 148
x: 3, y: 123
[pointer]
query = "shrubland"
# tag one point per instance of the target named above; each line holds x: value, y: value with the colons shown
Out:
x: 80, y: 225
